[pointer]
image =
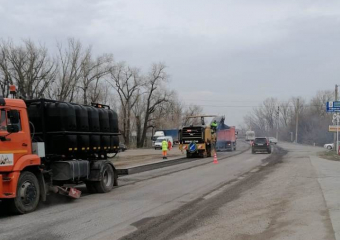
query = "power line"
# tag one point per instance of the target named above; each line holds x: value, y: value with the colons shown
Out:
x: 202, y: 100
x: 251, y: 106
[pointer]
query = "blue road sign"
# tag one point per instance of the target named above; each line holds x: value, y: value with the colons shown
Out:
x: 192, y: 147
x: 333, y: 106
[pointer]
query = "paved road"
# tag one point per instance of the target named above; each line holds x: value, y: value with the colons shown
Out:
x: 140, y: 196
x: 283, y: 200
x: 246, y: 196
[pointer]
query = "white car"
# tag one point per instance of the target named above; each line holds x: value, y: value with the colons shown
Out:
x: 272, y: 140
x: 329, y: 146
x: 158, y: 143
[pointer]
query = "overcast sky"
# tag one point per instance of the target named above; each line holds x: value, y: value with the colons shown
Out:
x: 219, y: 52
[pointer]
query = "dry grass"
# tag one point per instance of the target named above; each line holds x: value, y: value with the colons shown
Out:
x: 329, y: 155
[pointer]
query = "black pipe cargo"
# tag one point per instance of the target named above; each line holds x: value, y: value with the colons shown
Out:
x: 72, y: 130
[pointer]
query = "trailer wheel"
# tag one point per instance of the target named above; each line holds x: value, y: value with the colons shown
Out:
x: 28, y: 194
x: 107, y: 180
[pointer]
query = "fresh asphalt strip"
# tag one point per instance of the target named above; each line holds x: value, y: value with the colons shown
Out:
x: 162, y: 164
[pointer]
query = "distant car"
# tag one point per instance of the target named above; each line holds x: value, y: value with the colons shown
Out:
x: 272, y: 140
x: 261, y: 144
x: 122, y: 147
x: 329, y: 146
x: 250, y: 136
x: 158, y: 143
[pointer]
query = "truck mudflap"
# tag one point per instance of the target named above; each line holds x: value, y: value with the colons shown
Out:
x: 8, y: 185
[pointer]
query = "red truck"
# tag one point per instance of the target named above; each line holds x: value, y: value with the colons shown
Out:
x: 50, y: 146
x: 226, y: 139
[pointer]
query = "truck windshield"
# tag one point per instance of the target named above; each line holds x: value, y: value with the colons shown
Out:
x: 3, y: 123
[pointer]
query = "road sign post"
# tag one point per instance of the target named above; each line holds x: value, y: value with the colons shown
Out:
x: 333, y: 128
x: 336, y: 119
x: 335, y: 107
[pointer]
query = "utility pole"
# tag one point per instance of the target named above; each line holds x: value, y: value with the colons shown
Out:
x: 277, y: 123
x: 335, y: 99
x: 297, y: 120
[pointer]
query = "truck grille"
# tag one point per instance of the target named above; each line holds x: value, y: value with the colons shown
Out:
x: 192, y: 133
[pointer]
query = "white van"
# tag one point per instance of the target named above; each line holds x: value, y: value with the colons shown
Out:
x: 158, y: 143
x: 250, y: 136
x: 156, y: 135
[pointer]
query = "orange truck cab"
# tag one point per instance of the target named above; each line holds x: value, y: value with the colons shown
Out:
x: 15, y: 146
x: 31, y: 167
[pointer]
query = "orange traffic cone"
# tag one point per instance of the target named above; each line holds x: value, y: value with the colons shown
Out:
x: 215, y: 159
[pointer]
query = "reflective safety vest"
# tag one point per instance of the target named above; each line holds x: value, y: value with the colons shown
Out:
x: 164, y: 145
x: 213, y: 125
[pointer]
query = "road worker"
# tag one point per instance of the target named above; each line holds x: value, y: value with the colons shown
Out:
x: 213, y: 126
x: 169, y: 145
x: 165, y: 148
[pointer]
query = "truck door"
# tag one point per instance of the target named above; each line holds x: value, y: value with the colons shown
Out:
x: 16, y: 144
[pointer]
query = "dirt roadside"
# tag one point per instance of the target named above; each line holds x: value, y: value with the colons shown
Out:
x: 134, y: 157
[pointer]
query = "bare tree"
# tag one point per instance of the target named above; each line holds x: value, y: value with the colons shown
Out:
x: 29, y: 67
x: 92, y: 71
x: 155, y: 94
x: 70, y: 62
x: 5, y: 74
x: 318, y: 103
x: 99, y: 92
x: 168, y: 114
x: 127, y: 82
x: 286, y: 113
x: 313, y: 120
x: 191, y: 110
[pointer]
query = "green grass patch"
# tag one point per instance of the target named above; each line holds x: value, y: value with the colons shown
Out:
x: 330, y: 155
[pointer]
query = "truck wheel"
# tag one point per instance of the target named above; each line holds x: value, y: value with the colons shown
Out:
x: 28, y: 194
x: 107, y: 180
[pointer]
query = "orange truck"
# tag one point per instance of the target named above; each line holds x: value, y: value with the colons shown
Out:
x: 49, y: 147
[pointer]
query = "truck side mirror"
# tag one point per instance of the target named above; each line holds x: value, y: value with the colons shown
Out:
x: 12, y: 128
x: 13, y: 115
